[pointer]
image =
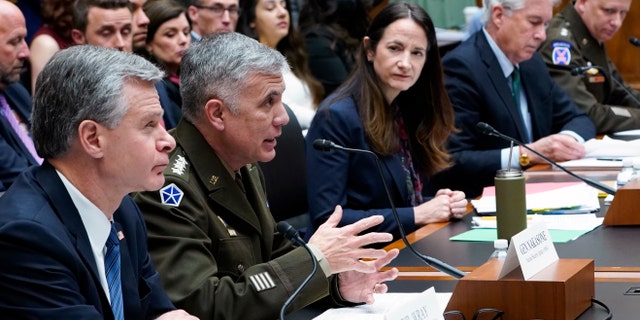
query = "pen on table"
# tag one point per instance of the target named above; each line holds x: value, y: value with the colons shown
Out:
x: 609, y: 159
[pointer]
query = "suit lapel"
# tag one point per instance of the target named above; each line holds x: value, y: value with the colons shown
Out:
x: 393, y: 166
x: 64, y: 208
x: 501, y: 85
x: 217, y: 180
x: 129, y: 278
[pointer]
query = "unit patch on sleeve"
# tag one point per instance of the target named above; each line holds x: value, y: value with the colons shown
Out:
x: 171, y: 195
x: 561, y: 54
x: 262, y: 281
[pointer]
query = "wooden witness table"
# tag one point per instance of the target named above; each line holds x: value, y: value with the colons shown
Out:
x: 614, y: 249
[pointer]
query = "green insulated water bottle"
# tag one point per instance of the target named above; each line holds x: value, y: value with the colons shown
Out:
x: 511, y: 207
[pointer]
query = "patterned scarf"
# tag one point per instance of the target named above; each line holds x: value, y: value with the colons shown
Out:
x: 413, y: 180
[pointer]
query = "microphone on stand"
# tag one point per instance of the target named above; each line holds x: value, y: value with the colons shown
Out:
x: 585, y: 69
x: 328, y: 145
x: 490, y: 131
x: 634, y: 41
x: 292, y: 235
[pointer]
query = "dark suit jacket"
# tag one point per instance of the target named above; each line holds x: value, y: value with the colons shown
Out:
x: 48, y: 269
x: 351, y: 179
x: 14, y: 156
x: 171, y: 102
x: 480, y: 92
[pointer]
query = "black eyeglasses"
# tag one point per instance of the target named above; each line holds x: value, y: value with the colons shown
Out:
x: 482, y: 314
x: 218, y: 10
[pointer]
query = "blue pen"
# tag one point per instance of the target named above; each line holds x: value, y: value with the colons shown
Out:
x: 609, y: 159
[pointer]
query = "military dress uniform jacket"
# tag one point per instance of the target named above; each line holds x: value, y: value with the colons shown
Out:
x: 216, y: 247
x: 569, y: 45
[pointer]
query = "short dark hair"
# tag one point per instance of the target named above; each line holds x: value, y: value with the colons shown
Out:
x: 81, y: 10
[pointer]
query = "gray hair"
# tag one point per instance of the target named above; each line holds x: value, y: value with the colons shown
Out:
x: 83, y: 83
x: 509, y: 5
x: 218, y: 67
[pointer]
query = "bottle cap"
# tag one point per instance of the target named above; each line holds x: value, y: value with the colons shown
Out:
x: 500, y: 244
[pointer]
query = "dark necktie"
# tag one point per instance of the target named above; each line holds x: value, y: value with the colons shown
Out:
x: 112, y: 271
x: 515, y: 87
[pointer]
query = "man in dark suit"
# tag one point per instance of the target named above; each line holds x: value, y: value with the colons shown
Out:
x: 73, y: 242
x: 528, y: 106
x: 16, y: 146
x: 211, y: 234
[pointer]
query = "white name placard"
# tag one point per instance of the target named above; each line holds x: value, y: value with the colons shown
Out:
x: 533, y: 249
x: 421, y: 307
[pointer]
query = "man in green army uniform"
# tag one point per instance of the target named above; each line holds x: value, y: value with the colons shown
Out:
x: 575, y: 38
x: 211, y: 235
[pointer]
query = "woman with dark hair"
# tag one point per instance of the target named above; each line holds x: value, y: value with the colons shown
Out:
x: 395, y: 105
x: 53, y: 36
x: 269, y: 21
x: 168, y: 36
x: 332, y: 31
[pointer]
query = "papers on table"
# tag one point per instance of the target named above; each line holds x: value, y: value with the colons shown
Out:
x: 607, y: 153
x: 608, y: 147
x: 587, y: 221
x: 547, y: 198
x: 565, y: 208
x: 377, y: 310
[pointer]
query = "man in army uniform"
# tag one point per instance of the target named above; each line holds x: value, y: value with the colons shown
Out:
x: 575, y: 38
x: 211, y: 235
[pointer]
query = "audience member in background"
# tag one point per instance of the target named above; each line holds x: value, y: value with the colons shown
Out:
x: 332, y: 31
x: 575, y: 38
x: 212, y: 16
x: 497, y: 77
x: 167, y: 39
x: 104, y: 23
x: 73, y: 241
x: 395, y: 105
x: 17, y: 151
x: 211, y: 234
x: 53, y: 36
x: 269, y: 22
x: 140, y: 23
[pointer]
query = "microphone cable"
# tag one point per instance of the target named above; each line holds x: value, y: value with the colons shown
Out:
x: 291, y: 233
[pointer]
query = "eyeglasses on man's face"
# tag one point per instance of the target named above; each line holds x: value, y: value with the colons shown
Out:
x: 218, y: 10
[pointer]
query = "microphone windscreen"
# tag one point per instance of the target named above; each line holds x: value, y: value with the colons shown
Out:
x: 485, y: 128
x: 287, y: 230
x: 322, y: 144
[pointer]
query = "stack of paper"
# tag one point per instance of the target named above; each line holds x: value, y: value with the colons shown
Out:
x: 547, y: 198
x: 606, y: 153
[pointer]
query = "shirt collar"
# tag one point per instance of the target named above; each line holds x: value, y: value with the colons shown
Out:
x: 94, y: 220
x: 506, y: 65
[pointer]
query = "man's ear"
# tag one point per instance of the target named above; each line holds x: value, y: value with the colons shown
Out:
x: 192, y: 12
x: 215, y: 112
x: 78, y: 36
x: 90, y: 137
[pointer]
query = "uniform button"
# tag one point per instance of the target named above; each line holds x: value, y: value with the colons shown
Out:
x: 240, y: 268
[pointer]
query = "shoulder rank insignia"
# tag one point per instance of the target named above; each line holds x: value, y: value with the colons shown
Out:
x: 179, y: 165
x: 561, y: 54
x: 262, y: 281
x: 171, y: 195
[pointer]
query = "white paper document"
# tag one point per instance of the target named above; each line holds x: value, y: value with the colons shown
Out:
x: 608, y: 147
x: 382, y: 305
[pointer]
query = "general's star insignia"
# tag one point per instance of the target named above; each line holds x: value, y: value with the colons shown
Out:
x: 179, y: 165
x: 171, y: 195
